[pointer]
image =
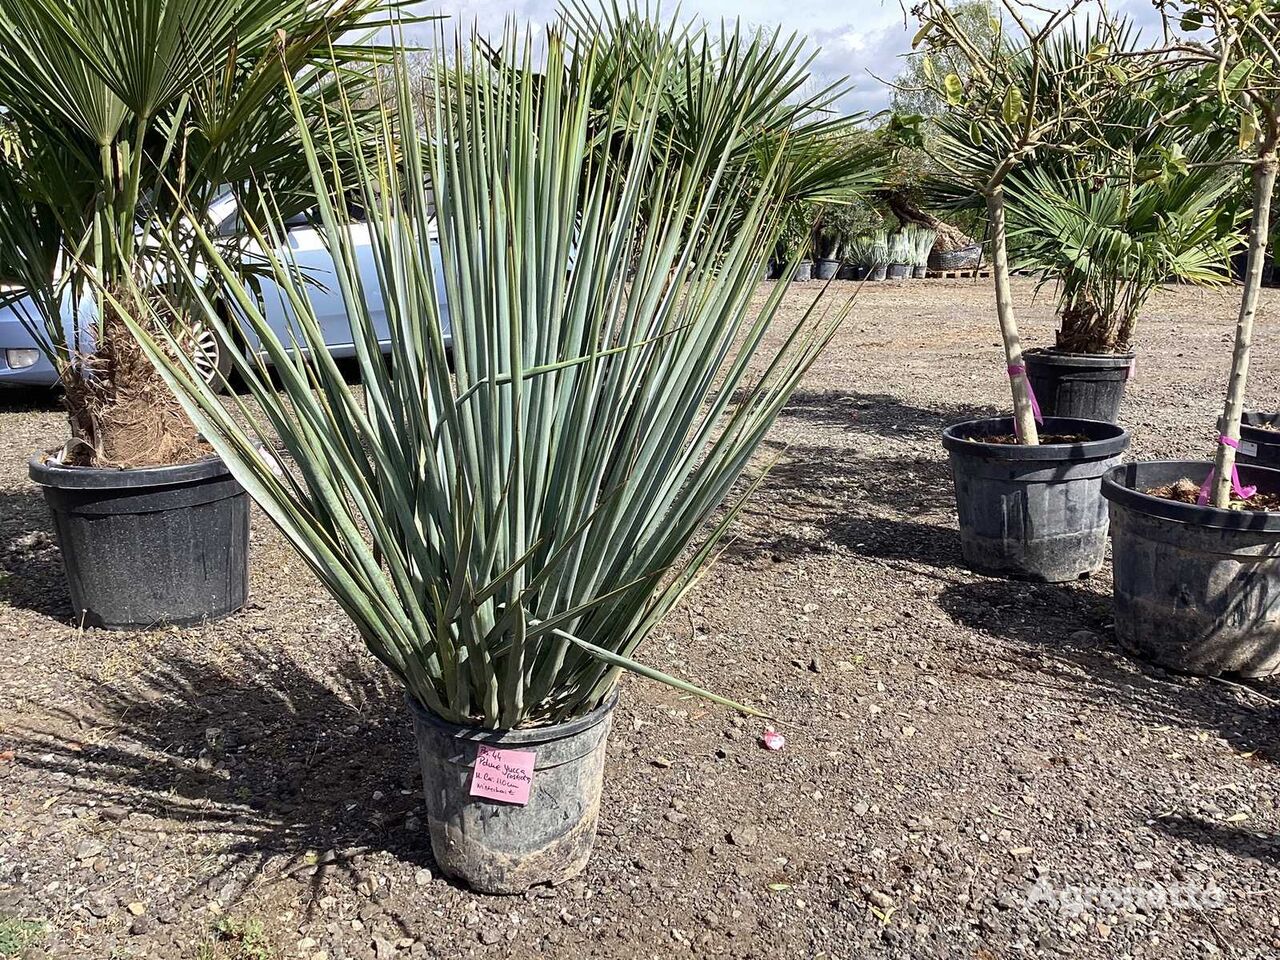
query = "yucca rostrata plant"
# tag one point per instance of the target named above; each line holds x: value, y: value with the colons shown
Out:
x: 507, y: 519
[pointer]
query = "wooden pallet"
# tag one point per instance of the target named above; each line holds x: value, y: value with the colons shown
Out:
x: 958, y: 274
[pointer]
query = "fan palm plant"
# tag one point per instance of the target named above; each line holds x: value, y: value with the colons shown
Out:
x: 693, y: 70
x: 116, y: 109
x: 506, y: 524
x: 1109, y: 242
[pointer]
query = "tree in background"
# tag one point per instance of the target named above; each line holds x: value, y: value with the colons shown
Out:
x: 914, y: 89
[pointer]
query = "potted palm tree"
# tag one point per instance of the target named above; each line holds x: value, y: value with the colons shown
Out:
x: 1154, y: 206
x: 110, y: 104
x: 1029, y: 503
x: 507, y: 521
x: 1197, y: 545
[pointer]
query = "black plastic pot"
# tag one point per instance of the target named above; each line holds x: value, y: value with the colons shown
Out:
x: 878, y: 272
x: 803, y: 271
x: 919, y: 271
x: 1085, y: 386
x: 1033, y: 511
x: 853, y: 271
x: 150, y: 546
x: 1259, y: 439
x: 899, y: 271
x: 499, y: 847
x: 826, y: 269
x: 1196, y: 589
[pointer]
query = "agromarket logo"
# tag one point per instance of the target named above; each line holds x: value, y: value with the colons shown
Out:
x: 1074, y: 900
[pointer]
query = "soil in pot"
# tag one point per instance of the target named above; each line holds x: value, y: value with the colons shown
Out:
x: 1086, y: 386
x: 1187, y: 490
x: 511, y: 809
x: 1033, y: 511
x: 149, y: 546
x: 1196, y: 588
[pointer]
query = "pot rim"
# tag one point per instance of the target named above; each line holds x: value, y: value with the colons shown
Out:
x: 127, y: 478
x: 1262, y: 426
x: 515, y: 737
x: 1113, y: 440
x: 1116, y: 488
x: 1064, y: 358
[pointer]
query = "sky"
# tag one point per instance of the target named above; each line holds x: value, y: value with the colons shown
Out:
x: 858, y: 39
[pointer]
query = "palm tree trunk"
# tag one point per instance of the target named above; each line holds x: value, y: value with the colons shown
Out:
x: 1264, y: 183
x: 1023, y: 415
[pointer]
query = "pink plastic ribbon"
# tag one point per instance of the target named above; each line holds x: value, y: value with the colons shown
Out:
x: 1018, y: 370
x: 1244, y: 493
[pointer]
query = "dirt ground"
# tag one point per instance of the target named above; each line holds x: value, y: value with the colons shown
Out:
x: 972, y: 767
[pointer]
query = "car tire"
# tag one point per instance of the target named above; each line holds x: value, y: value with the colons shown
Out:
x: 211, y: 356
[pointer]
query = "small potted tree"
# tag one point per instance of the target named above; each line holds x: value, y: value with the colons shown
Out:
x: 1197, y: 546
x: 507, y: 520
x: 1029, y: 504
x: 1151, y: 206
x: 112, y: 106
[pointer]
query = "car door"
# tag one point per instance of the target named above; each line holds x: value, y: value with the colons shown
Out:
x: 307, y: 249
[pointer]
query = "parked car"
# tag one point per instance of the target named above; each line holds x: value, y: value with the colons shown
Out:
x: 24, y: 364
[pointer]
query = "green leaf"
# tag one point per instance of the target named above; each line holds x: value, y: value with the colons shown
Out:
x: 1248, y: 129
x: 1099, y: 51
x: 922, y: 33
x: 953, y: 87
x: 1192, y: 20
x: 1013, y: 106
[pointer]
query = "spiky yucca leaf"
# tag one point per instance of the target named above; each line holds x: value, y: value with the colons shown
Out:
x: 505, y: 524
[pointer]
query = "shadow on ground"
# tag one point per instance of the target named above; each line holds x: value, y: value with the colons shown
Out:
x: 877, y: 413
x: 1064, y: 633
x: 1063, y: 642
x: 263, y: 763
x: 30, y: 564
x: 29, y: 399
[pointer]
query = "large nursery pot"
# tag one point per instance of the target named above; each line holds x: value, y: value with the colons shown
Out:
x: 825, y: 269
x: 1260, y: 439
x: 499, y: 847
x: 854, y: 271
x: 878, y: 272
x: 899, y: 271
x: 1197, y: 589
x: 803, y: 271
x: 919, y: 271
x: 149, y: 545
x: 1085, y: 386
x: 1033, y: 511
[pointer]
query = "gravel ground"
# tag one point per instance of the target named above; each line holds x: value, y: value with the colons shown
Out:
x: 972, y: 768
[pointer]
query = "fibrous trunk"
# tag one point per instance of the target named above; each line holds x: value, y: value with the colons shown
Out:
x: 122, y: 413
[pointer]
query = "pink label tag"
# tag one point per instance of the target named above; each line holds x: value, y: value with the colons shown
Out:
x: 505, y: 775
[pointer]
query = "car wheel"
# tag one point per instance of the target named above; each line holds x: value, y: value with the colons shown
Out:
x: 209, y: 354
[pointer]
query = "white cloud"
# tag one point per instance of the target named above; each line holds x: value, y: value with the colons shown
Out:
x: 859, y: 40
